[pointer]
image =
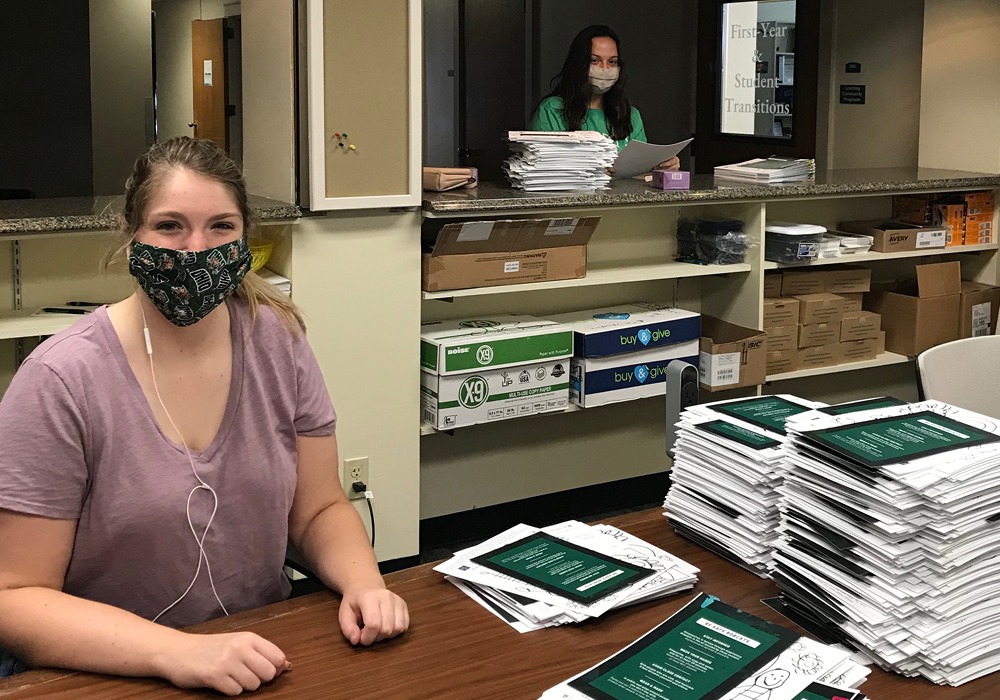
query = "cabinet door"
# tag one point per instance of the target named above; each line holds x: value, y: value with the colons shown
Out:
x: 363, y: 104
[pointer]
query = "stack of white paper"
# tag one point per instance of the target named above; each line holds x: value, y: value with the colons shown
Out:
x: 890, y: 535
x: 709, y: 649
x: 532, y: 578
x: 724, y: 480
x: 559, y: 160
x: 768, y: 170
x: 283, y: 284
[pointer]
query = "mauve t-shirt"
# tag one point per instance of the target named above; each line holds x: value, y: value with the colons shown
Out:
x: 78, y: 441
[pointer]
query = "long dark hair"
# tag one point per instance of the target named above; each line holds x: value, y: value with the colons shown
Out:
x: 572, y: 84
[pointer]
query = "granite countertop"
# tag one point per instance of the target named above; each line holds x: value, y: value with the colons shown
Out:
x: 100, y: 213
x: 491, y: 198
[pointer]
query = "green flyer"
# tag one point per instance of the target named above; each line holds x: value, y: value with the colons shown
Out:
x: 737, y: 433
x: 818, y: 691
x: 700, y: 653
x: 557, y: 566
x: 768, y: 412
x: 896, y: 439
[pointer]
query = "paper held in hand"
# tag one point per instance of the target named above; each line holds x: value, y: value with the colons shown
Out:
x: 639, y: 157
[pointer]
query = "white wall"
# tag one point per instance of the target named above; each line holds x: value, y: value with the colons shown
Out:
x: 357, y: 279
x: 959, y: 127
x: 269, y: 98
x: 885, y: 38
x: 121, y: 84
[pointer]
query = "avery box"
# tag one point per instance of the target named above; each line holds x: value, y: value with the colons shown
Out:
x: 730, y: 356
x: 490, y: 395
x: 491, y: 253
x: 896, y: 236
x: 628, y: 328
x: 603, y: 380
x: 466, y: 345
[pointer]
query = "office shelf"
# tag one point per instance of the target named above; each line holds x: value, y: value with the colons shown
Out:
x: 886, y: 358
x: 876, y: 256
x: 600, y: 274
x: 24, y: 325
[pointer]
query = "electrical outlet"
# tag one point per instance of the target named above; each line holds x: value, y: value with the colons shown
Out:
x: 355, y: 470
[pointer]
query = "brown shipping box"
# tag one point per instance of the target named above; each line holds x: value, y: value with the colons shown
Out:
x: 860, y: 325
x: 849, y: 279
x: 730, y: 356
x: 772, y: 284
x: 780, y: 338
x: 894, y: 237
x: 795, y: 282
x: 813, y: 334
x: 819, y: 356
x: 859, y: 350
x: 852, y: 302
x: 493, y: 253
x: 779, y: 311
x: 978, y: 309
x: 915, y: 319
x: 820, y: 308
x: 782, y: 361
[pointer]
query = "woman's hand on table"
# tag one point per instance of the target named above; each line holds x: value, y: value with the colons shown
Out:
x: 229, y: 663
x: 371, y: 615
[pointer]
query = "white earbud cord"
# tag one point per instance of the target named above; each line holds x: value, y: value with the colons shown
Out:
x: 201, y: 485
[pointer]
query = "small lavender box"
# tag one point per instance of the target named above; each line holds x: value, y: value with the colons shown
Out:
x: 671, y: 179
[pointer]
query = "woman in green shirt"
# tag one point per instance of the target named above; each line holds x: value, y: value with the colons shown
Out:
x: 589, y: 93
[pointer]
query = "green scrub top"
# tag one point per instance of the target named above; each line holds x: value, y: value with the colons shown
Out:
x: 549, y: 117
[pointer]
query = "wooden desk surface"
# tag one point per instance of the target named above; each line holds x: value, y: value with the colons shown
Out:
x: 456, y: 649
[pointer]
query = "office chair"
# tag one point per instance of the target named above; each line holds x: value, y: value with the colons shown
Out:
x: 964, y: 373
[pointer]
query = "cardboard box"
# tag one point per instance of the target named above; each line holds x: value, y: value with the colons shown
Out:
x: 730, y: 356
x: 780, y: 338
x: 671, y: 180
x: 913, y: 208
x: 860, y: 325
x: 818, y: 356
x: 813, y: 334
x: 977, y: 203
x: 780, y: 311
x: 919, y: 318
x: 852, y: 302
x: 628, y: 328
x: 895, y: 237
x: 467, y: 345
x: 978, y: 309
x: 824, y: 307
x: 782, y: 361
x: 849, y: 279
x: 772, y: 284
x: 460, y: 400
x: 491, y: 253
x: 604, y: 380
x: 859, y: 350
x: 795, y: 282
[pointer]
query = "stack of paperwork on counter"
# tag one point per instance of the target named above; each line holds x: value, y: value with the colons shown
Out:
x: 711, y: 651
x: 554, y: 161
x: 532, y: 578
x: 769, y: 170
x: 723, y: 493
x: 891, y: 535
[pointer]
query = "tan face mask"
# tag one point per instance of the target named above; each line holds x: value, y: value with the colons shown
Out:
x: 602, y: 79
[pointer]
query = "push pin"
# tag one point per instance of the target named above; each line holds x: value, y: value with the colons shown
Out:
x: 353, y: 147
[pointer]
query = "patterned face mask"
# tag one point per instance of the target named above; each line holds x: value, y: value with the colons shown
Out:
x: 187, y: 285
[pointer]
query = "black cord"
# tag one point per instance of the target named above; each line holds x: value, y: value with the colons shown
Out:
x: 371, y: 512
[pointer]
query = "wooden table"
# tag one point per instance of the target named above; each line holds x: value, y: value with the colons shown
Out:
x: 456, y: 649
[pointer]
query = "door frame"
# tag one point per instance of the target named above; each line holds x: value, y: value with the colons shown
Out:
x: 711, y: 147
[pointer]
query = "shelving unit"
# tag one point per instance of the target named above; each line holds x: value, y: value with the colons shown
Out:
x: 24, y: 325
x: 879, y: 257
x: 883, y: 360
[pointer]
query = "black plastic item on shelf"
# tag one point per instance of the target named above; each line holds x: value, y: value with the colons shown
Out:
x: 790, y: 242
x: 711, y: 242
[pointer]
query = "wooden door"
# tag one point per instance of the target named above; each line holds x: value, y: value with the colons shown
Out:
x: 208, y: 71
x: 492, y: 81
x: 713, y: 147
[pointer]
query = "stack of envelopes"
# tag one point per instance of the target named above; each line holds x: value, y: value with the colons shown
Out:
x: 553, y: 161
x: 891, y: 535
x: 723, y: 492
x: 532, y: 578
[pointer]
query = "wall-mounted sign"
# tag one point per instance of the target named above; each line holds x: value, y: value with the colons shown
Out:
x: 852, y: 67
x: 852, y: 94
